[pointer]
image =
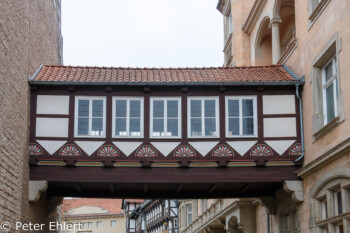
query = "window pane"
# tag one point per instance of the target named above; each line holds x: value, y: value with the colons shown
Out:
x: 329, y: 71
x: 120, y: 108
x: 158, y: 108
x: 97, y: 126
x: 196, y: 108
x: 135, y: 108
x: 83, y: 109
x: 83, y: 126
x: 247, y: 107
x: 210, y: 127
x: 209, y: 108
x: 196, y: 127
x: 135, y: 127
x: 158, y: 127
x: 172, y: 108
x: 233, y: 126
x: 120, y: 126
x: 330, y: 102
x: 97, y: 108
x: 172, y: 127
x: 233, y: 108
x: 248, y: 126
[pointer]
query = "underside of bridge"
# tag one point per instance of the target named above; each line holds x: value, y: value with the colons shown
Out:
x: 218, y: 182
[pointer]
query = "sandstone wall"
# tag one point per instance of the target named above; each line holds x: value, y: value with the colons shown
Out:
x: 30, y: 35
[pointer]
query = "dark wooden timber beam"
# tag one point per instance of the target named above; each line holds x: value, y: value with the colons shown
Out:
x: 145, y: 188
x: 179, y: 188
x: 164, y: 175
x: 212, y: 188
x: 112, y: 188
x: 79, y: 188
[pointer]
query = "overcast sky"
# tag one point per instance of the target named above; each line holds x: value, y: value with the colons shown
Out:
x: 142, y: 33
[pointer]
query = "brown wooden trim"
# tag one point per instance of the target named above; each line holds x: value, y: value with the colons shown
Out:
x: 279, y: 115
x: 147, y: 115
x: 109, y: 118
x: 222, y: 112
x: 71, y: 117
x: 53, y: 115
x: 32, y: 120
x: 157, y: 175
x: 260, y: 123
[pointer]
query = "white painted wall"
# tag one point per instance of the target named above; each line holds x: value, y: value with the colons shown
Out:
x: 51, y: 127
x: 52, y: 104
x: 280, y: 127
x: 278, y: 104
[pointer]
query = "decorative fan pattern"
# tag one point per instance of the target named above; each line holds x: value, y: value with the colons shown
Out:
x: 184, y: 152
x: 222, y: 151
x: 35, y: 149
x: 146, y: 152
x: 108, y: 151
x: 70, y: 150
x: 295, y: 149
x: 261, y: 150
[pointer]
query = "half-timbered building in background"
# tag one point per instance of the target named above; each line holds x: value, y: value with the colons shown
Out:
x: 191, y: 132
x: 152, y: 216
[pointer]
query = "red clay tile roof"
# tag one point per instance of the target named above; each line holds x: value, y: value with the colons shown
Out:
x: 162, y: 76
x: 112, y: 205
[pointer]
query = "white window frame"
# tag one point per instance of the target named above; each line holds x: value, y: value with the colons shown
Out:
x: 255, y: 116
x: 217, y: 120
x: 333, y: 80
x: 152, y: 99
x: 90, y: 98
x: 189, y: 213
x: 114, y: 223
x: 128, y: 99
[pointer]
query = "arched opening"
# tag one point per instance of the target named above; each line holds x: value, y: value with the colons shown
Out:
x: 263, y: 44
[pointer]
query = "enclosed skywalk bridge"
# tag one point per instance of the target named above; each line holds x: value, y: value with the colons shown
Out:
x: 164, y: 133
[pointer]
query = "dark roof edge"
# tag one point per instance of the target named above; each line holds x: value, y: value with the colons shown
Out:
x: 291, y: 73
x: 275, y: 83
x: 36, y: 73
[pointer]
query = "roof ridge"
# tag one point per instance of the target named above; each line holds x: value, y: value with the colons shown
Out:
x: 162, y: 68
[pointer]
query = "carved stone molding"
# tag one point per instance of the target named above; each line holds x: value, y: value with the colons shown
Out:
x: 36, y: 188
x: 296, y: 190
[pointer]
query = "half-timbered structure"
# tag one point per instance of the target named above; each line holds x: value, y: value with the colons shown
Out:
x: 153, y: 216
x: 184, y: 132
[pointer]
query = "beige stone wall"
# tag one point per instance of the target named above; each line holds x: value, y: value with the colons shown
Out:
x: 105, y: 224
x: 29, y: 36
x: 312, y: 39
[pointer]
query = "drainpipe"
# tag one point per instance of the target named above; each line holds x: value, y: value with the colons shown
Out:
x: 268, y: 223
x: 301, y: 123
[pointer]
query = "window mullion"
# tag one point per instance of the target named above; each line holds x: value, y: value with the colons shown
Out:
x: 90, y: 117
x: 240, y: 117
x: 203, y: 117
x: 127, y: 120
x: 165, y: 117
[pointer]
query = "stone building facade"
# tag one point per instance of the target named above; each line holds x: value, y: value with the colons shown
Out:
x: 93, y: 215
x: 311, y: 38
x: 30, y: 35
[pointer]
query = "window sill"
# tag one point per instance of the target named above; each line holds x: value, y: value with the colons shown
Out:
x: 317, y: 12
x: 333, y: 220
x: 88, y: 136
x: 327, y: 128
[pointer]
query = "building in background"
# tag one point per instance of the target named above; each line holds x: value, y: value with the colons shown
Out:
x: 93, y: 215
x: 310, y: 38
x: 30, y: 35
x: 152, y: 216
